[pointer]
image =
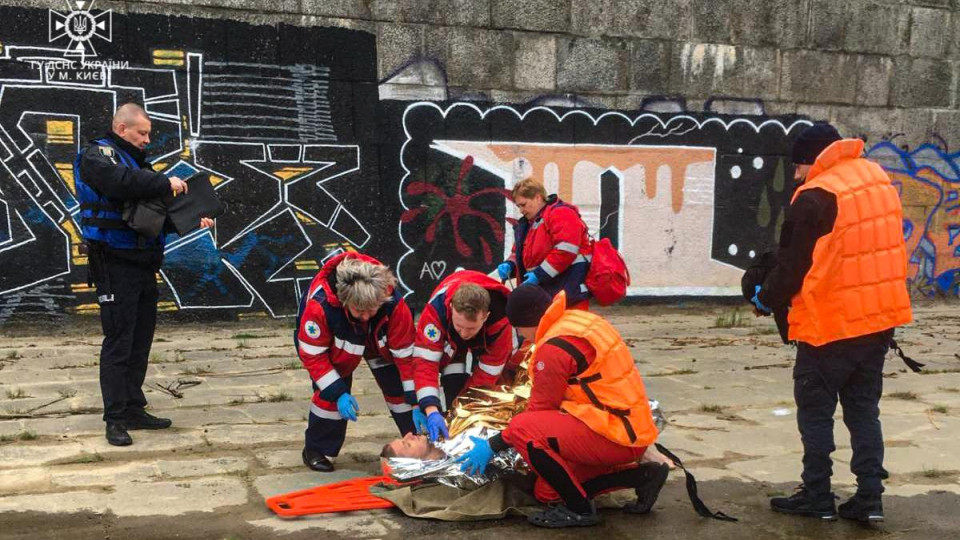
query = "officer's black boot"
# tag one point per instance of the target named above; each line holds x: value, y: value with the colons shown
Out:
x: 316, y: 461
x: 117, y: 434
x: 141, y: 419
x: 653, y: 476
x: 865, y: 508
x: 806, y: 503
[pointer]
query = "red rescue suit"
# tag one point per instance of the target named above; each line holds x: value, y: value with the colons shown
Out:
x: 442, y: 356
x: 556, y: 247
x: 331, y: 345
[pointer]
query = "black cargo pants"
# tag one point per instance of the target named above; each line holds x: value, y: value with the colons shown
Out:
x: 852, y: 371
x: 127, y: 293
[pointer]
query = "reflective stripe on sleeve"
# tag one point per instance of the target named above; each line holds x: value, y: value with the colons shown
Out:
x: 402, y: 353
x: 312, y: 350
x: 550, y: 270
x: 490, y: 370
x: 329, y: 378
x: 427, y: 354
x: 427, y: 391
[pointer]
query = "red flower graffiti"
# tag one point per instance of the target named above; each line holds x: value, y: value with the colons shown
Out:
x: 456, y: 207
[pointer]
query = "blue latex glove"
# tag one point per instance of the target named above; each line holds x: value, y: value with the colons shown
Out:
x: 756, y: 300
x: 505, y: 270
x: 475, y: 461
x: 437, y: 425
x: 347, y: 406
x: 419, y: 420
x: 530, y: 278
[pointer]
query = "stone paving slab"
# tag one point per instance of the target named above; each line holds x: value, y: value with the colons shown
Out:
x: 237, y: 436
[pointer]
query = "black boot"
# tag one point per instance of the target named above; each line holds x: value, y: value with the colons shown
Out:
x: 865, y: 508
x: 559, y: 516
x: 141, y: 419
x: 316, y: 461
x: 117, y: 434
x: 653, y: 477
x: 806, y: 503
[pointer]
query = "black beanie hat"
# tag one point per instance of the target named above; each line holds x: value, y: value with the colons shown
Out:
x: 812, y: 141
x: 526, y: 306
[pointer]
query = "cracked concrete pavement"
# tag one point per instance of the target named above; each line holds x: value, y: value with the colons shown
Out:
x: 237, y: 435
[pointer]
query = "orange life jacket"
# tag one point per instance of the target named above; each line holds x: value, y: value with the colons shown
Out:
x: 857, y: 283
x: 608, y: 396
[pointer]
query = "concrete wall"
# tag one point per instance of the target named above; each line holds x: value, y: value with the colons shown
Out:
x: 667, y: 122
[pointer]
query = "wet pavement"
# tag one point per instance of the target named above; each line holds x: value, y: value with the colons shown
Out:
x: 239, y: 400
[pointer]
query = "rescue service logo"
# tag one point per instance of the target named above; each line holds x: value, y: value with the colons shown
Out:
x: 432, y: 333
x: 82, y: 27
x: 312, y: 329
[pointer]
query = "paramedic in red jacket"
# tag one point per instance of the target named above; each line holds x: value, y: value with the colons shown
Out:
x: 551, y: 247
x: 352, y: 312
x: 463, y: 340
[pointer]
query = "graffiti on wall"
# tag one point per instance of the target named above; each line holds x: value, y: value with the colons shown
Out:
x: 278, y: 133
x: 689, y: 200
x: 928, y: 179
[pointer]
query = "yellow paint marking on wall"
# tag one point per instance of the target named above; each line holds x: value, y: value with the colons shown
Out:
x: 166, y: 306
x: 303, y: 217
x: 88, y: 308
x: 71, y: 229
x: 214, y: 179
x: 254, y: 315
x: 80, y: 260
x: 163, y: 57
x: 159, y: 167
x: 60, y: 131
x: 306, y: 265
x: 66, y: 172
x: 335, y: 245
x: 287, y: 173
x: 80, y: 287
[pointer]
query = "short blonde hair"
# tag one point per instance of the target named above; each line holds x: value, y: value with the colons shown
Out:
x: 529, y: 188
x: 471, y: 300
x: 363, y: 285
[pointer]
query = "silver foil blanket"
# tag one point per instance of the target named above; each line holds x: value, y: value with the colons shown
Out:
x: 447, y: 471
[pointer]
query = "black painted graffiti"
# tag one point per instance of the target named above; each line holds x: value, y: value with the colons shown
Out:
x: 278, y: 132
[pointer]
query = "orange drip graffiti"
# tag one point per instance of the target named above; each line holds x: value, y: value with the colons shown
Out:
x: 566, y: 157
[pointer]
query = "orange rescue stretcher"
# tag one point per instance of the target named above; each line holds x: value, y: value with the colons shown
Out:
x: 345, y: 496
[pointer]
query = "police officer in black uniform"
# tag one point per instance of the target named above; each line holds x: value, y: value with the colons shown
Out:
x: 123, y: 265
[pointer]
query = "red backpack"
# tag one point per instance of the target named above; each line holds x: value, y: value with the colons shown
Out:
x: 608, y: 277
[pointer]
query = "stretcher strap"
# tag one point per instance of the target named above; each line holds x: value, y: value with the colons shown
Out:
x: 910, y: 362
x: 698, y: 504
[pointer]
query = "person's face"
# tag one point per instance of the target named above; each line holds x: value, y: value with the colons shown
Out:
x: 464, y: 326
x: 528, y: 333
x: 137, y: 132
x: 411, y: 446
x: 800, y: 173
x: 362, y: 315
x: 529, y: 207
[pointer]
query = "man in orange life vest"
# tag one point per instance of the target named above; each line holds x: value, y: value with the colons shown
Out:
x: 587, y: 422
x: 841, y: 269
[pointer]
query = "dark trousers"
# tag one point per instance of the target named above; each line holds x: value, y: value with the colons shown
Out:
x: 127, y: 295
x: 851, y: 371
x: 327, y: 430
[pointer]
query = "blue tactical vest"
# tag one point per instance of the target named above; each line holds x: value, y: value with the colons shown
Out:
x: 101, y: 219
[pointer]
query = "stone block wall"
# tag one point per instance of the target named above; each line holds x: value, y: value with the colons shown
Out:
x: 395, y: 126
